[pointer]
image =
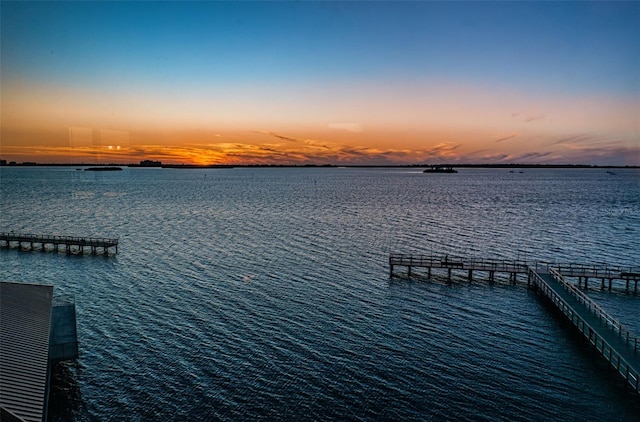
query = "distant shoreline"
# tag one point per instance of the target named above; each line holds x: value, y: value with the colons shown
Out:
x: 213, y: 166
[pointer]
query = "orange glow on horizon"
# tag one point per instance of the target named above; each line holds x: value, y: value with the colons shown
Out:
x: 455, y: 124
x: 367, y: 90
x: 246, y: 148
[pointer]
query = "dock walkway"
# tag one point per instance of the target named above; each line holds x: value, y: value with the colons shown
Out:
x: 70, y: 243
x: 613, y: 275
x: 603, y: 272
x: 615, y: 343
x: 491, y: 266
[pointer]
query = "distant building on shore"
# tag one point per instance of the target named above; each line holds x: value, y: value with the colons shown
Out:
x: 147, y: 163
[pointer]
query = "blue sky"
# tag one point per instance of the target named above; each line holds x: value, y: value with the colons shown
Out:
x: 509, y: 42
x: 323, y: 56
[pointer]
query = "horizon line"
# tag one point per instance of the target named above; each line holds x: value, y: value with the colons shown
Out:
x: 4, y: 163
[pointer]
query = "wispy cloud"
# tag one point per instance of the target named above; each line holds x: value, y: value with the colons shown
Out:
x: 495, y: 158
x: 441, y: 150
x: 487, y: 157
x: 529, y: 157
x: 571, y: 139
x: 532, y: 118
x: 349, y: 127
x: 527, y: 117
x: 284, y: 138
x: 506, y: 138
x: 586, y: 140
x: 272, y: 147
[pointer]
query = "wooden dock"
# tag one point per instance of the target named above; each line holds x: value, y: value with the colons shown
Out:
x: 605, y: 273
x: 450, y: 263
x: 607, y: 276
x: 69, y: 244
x: 615, y: 343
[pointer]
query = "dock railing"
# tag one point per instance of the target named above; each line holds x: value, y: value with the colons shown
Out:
x: 71, y: 240
x: 31, y: 241
x: 609, y: 321
x: 597, y: 271
x: 630, y: 274
x: 452, y: 261
x: 615, y: 359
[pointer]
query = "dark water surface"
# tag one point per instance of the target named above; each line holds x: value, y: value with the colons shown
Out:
x: 245, y: 293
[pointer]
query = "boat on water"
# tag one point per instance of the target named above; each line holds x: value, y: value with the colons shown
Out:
x: 103, y: 169
x: 440, y: 169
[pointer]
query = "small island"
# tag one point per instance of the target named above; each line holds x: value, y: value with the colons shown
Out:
x: 103, y: 169
x: 440, y: 169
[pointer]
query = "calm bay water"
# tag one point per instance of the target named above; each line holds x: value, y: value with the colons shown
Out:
x: 248, y: 293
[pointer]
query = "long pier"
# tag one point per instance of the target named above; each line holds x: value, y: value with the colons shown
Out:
x: 608, y: 275
x: 450, y: 263
x: 602, y: 272
x: 614, y: 342
x: 70, y: 244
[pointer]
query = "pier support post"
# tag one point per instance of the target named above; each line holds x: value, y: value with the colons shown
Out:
x: 429, y: 271
x: 491, y: 275
x: 449, y: 274
x: 470, y: 275
x: 409, y: 271
x: 390, y: 270
x: 610, y: 281
x: 586, y: 283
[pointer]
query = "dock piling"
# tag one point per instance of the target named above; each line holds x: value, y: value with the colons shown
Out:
x: 609, y: 275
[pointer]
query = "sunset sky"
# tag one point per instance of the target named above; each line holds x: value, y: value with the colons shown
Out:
x: 321, y: 82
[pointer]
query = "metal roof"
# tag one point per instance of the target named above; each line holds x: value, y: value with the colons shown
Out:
x: 25, y: 320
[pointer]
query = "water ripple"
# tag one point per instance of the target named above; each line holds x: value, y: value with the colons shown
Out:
x: 264, y: 293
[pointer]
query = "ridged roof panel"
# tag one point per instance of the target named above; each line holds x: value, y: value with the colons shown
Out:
x: 25, y: 319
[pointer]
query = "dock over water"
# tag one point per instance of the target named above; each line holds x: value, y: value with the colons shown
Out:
x: 605, y: 276
x: 69, y: 244
x: 614, y: 342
